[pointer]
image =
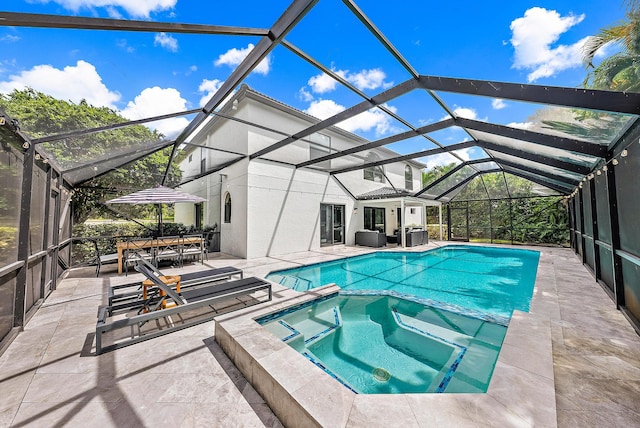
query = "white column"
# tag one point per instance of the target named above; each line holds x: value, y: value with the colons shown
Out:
x: 440, y: 219
x: 402, y: 233
x: 424, y: 216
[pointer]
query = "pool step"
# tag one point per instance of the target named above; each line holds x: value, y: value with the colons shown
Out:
x: 451, y: 346
x: 292, y: 282
x: 432, y: 330
x: 475, y: 351
x: 310, y: 329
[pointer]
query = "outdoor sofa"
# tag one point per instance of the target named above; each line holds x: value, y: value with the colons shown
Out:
x: 414, y: 237
x: 371, y: 238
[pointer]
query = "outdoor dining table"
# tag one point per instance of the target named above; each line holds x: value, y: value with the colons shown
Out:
x: 171, y: 241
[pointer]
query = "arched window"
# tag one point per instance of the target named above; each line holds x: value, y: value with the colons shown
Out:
x: 408, y: 177
x: 374, y: 173
x: 227, y: 208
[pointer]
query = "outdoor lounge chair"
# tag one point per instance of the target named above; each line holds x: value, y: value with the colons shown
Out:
x: 123, y: 294
x: 205, y: 292
x: 170, y: 310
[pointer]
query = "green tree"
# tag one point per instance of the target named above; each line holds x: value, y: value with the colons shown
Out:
x: 41, y: 115
x: 620, y: 71
x: 436, y: 172
x: 490, y: 204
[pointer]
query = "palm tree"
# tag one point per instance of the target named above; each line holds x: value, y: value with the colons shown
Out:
x: 621, y: 71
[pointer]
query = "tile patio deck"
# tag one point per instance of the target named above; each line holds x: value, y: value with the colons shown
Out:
x: 49, y: 376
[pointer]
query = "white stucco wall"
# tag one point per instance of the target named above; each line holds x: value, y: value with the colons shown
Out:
x: 208, y: 188
x: 284, y: 208
x: 225, y: 134
x: 233, y: 235
x: 275, y: 119
x: 355, y: 182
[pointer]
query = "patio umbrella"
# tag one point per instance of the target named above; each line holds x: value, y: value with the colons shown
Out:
x: 157, y: 196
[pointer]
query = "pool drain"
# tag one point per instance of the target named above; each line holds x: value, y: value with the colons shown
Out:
x: 381, y: 375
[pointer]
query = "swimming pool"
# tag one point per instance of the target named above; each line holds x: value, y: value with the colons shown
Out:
x: 405, y: 322
x: 389, y: 345
x: 489, y: 280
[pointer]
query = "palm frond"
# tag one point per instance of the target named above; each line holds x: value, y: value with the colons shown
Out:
x: 627, y: 34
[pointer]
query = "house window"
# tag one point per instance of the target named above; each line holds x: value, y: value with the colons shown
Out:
x: 408, y: 177
x: 374, y: 219
x: 374, y: 173
x: 190, y: 158
x: 227, y: 208
x: 203, y: 165
x: 320, y: 145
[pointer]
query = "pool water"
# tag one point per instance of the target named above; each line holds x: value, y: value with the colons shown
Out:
x: 386, y: 345
x: 490, y: 280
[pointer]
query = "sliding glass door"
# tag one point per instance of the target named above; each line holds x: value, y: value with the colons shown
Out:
x: 331, y: 224
x: 374, y: 219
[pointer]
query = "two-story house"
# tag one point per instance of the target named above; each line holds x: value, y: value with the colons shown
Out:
x: 267, y: 206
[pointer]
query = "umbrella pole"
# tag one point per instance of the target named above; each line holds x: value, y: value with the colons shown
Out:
x: 160, y: 220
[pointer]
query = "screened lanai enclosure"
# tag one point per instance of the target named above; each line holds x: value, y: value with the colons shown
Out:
x: 566, y: 173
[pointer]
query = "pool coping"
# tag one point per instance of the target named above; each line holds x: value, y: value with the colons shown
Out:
x: 521, y: 391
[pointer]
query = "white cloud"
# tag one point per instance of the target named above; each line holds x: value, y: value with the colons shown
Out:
x: 533, y: 36
x: 305, y: 95
x: 74, y: 83
x: 9, y: 38
x: 373, y: 119
x: 323, y: 109
x: 140, y: 8
x: 369, y: 79
x: 166, y: 41
x: 438, y: 160
x: 498, y: 104
x: 5, y: 65
x: 365, y: 79
x: 467, y: 113
x: 446, y: 158
x: 322, y: 83
x: 233, y: 57
x: 209, y: 88
x: 114, y: 13
x: 521, y: 125
x: 157, y: 101
x: 123, y: 44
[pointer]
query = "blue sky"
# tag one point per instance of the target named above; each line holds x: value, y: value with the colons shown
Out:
x: 147, y: 74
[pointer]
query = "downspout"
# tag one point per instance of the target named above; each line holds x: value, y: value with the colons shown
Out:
x: 402, y: 232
